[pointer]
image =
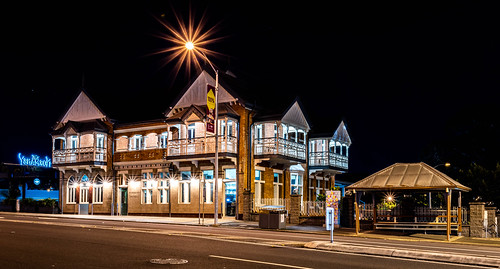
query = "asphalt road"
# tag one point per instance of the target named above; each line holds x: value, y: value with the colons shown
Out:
x: 44, y: 242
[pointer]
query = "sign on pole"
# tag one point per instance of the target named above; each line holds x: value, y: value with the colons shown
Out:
x: 210, y: 109
x: 332, y: 201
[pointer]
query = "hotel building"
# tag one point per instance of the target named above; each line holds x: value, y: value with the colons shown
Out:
x: 165, y: 166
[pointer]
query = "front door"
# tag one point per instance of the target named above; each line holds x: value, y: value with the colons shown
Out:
x: 230, y: 198
x: 124, y: 201
x: 84, y: 199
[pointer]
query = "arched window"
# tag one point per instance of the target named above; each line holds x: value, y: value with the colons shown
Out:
x: 97, y: 192
x: 71, y: 194
x: 84, y: 190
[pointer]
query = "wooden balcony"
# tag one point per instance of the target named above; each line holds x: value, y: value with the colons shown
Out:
x: 200, y: 146
x: 277, y: 147
x: 79, y: 155
x: 325, y: 159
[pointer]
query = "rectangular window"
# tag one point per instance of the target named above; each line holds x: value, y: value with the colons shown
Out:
x: 74, y: 141
x: 136, y: 142
x: 163, y: 140
x: 147, y: 192
x: 229, y: 128
x: 258, y: 133
x: 208, y: 186
x: 230, y: 173
x: 185, y: 192
x: 71, y: 194
x: 191, y: 131
x: 100, y: 141
x: 97, y: 194
x: 259, y: 187
x: 84, y: 194
x: 277, y: 185
x: 163, y: 192
x: 295, y: 183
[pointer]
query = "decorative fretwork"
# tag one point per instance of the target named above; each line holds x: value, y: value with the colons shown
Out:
x: 280, y: 146
x: 325, y: 158
x: 77, y: 155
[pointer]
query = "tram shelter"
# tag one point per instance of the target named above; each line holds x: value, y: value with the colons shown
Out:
x: 407, y: 179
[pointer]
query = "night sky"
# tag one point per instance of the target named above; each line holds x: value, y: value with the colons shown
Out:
x: 396, y: 73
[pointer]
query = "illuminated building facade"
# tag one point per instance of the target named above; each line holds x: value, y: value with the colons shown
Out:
x: 166, y: 166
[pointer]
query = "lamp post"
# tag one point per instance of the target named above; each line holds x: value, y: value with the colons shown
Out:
x: 190, y: 46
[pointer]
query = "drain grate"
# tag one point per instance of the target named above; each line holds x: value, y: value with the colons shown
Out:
x: 168, y: 261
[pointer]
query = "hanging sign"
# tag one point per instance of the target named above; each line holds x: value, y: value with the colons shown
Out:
x: 34, y: 160
x: 210, y: 121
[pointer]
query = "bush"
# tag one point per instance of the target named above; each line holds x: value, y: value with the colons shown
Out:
x: 47, y: 202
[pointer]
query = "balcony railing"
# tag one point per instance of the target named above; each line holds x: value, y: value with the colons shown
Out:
x: 325, y: 158
x: 280, y: 146
x: 201, y: 145
x: 77, y: 155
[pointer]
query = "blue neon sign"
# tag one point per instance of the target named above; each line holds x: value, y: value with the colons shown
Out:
x: 35, y: 160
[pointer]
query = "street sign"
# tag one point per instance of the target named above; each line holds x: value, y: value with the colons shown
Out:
x: 332, y: 201
x: 210, y: 121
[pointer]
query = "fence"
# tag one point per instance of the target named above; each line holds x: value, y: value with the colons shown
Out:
x: 419, y: 214
x: 313, y: 208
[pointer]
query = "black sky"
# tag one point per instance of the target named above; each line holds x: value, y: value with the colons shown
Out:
x: 396, y: 73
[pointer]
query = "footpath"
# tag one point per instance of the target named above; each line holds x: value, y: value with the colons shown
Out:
x: 483, y: 260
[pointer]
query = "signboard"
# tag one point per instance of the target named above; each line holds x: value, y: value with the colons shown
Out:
x: 210, y: 121
x: 34, y: 160
x: 332, y: 201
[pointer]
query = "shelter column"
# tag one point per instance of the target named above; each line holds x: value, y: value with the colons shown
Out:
x: 448, y: 213
x: 374, y: 210
x: 459, y: 213
x: 356, y: 208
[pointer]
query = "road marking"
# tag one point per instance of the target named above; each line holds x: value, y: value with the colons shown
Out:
x: 45, y: 218
x: 260, y: 262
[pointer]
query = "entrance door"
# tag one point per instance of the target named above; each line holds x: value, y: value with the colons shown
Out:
x: 84, y: 199
x: 230, y: 198
x: 123, y: 201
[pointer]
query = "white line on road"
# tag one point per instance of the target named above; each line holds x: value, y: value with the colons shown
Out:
x: 260, y: 262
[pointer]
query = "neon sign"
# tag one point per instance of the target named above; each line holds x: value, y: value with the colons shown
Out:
x: 35, y: 160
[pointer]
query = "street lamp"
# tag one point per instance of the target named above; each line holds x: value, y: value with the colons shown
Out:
x: 190, y: 46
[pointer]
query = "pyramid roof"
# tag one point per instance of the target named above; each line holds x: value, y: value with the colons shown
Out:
x: 408, y: 176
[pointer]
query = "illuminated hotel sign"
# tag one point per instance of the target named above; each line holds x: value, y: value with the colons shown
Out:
x: 34, y: 160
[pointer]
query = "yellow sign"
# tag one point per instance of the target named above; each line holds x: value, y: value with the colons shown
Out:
x: 210, y: 98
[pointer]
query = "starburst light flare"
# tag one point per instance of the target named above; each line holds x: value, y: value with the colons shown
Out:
x: 188, y: 42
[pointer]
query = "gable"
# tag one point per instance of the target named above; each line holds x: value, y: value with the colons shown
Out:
x: 196, y: 94
x: 82, y: 109
x: 341, y: 134
x: 296, y: 117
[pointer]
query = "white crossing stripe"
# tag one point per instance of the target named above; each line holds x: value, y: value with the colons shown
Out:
x: 260, y: 262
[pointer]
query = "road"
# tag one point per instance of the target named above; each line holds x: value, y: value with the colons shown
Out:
x: 46, y: 242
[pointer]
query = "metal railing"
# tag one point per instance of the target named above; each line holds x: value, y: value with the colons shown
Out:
x: 325, y: 158
x: 313, y: 208
x: 262, y: 202
x: 280, y: 146
x: 76, y: 155
x: 201, y: 145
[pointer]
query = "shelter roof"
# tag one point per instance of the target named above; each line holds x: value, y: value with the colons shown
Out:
x: 408, y: 176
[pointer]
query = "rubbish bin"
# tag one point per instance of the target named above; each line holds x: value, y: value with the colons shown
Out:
x: 272, y: 217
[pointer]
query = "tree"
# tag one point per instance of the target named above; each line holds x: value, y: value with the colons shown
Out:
x: 471, y: 143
